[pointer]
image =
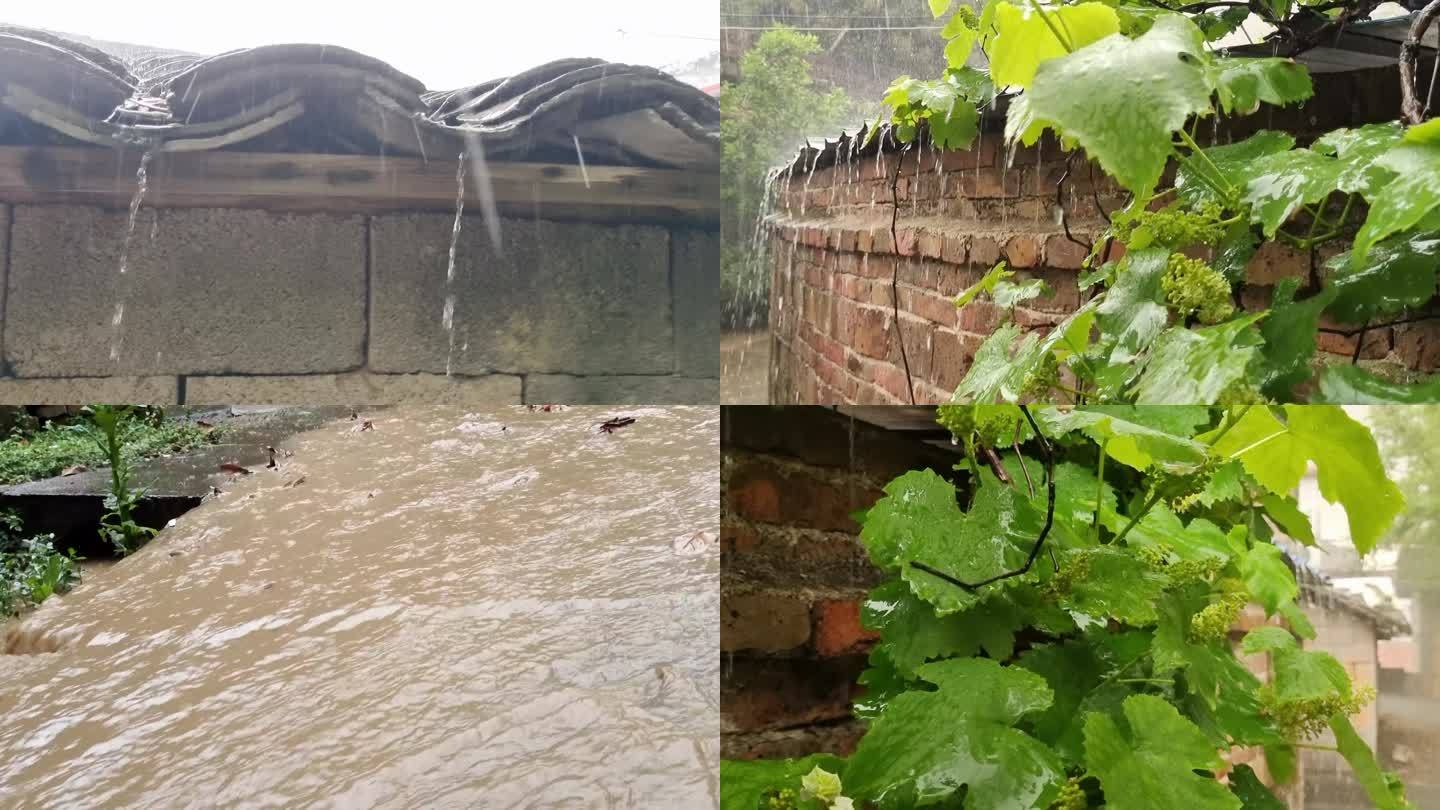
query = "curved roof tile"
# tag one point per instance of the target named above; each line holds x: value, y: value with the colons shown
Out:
x: 324, y: 98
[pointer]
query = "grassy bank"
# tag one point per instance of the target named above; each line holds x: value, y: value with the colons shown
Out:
x: 41, y: 452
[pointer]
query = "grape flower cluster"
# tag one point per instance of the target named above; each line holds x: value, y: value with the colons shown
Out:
x: 1193, y: 287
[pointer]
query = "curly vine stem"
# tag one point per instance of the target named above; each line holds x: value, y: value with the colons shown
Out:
x: 1039, y: 540
x: 1410, y: 107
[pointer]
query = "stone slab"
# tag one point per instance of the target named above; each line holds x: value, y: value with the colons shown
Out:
x: 695, y: 278
x: 357, y: 388
x: 206, y: 291
x: 621, y: 390
x: 83, y: 390
x: 553, y: 297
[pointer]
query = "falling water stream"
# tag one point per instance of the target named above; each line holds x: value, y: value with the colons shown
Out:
x: 447, y: 316
x: 449, y: 610
x: 117, y: 320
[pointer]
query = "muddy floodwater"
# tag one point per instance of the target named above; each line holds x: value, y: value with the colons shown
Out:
x: 433, y: 613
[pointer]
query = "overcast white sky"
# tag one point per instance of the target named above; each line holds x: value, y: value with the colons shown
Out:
x: 444, y: 44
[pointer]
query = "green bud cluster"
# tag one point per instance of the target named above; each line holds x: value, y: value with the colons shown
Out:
x: 1072, y: 797
x: 1170, y: 227
x: 967, y: 14
x: 1309, y: 717
x: 784, y: 799
x: 1189, y: 572
x: 990, y: 425
x: 1214, y: 621
x: 1075, y: 569
x: 1043, y: 380
x: 1179, y: 489
x: 1192, y: 286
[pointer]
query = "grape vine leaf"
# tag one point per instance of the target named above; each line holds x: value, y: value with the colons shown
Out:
x: 1126, y: 440
x: 1022, y: 40
x: 1289, y: 334
x: 1123, y: 99
x: 1298, y: 674
x: 1347, y: 461
x: 1406, y: 199
x: 1281, y: 182
x: 1353, y: 385
x: 928, y: 745
x: 1079, y: 672
x: 1251, y: 792
x: 1367, y: 771
x: 1243, y: 83
x: 882, y: 682
x: 1356, y: 149
x: 918, y: 519
x: 745, y: 783
x: 1232, y: 162
x: 1285, y: 511
x: 1133, y: 310
x: 1002, y: 368
x: 986, y: 284
x: 1153, y: 762
x: 1396, y: 275
x: 911, y: 632
x: 1267, y: 577
x: 1008, y: 296
x: 1116, y: 584
x: 1187, y: 366
x: 1195, y: 541
x: 939, y: 7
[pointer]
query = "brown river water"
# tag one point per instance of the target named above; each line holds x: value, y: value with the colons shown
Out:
x: 433, y: 613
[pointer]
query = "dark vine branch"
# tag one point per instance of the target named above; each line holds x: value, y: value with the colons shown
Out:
x: 1060, y: 204
x: 1039, y: 540
x: 895, y: 274
x: 1410, y: 108
x: 1360, y: 330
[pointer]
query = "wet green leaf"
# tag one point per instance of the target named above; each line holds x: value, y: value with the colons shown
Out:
x: 1116, y: 584
x: 1406, y: 199
x: 1251, y: 792
x: 1153, y: 762
x: 928, y: 745
x: 1123, y: 99
x: 1396, y: 275
x: 744, y: 784
x: 1350, y: 471
x: 919, y: 519
x: 1243, y: 83
x: 1187, y: 366
x: 1128, y: 442
x: 1285, y: 511
x: 1362, y: 761
x: 1232, y: 162
x: 1133, y: 311
x: 1267, y: 577
x: 1357, y: 149
x: 1022, y: 40
x: 1289, y: 334
x: 1281, y: 182
x: 1353, y: 385
x: 911, y: 632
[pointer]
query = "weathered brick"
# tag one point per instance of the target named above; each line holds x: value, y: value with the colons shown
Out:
x: 984, y: 250
x: 1275, y: 261
x: 837, y: 629
x: 1023, y: 250
x: 954, y: 248
x: 906, y: 239
x: 784, y: 693
x: 769, y: 622
x: 872, y: 336
x: 1063, y: 253
x: 930, y: 243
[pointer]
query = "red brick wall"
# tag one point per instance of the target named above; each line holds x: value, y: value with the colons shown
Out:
x: 794, y: 571
x: 832, y: 314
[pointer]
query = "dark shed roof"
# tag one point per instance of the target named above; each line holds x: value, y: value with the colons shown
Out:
x: 61, y: 89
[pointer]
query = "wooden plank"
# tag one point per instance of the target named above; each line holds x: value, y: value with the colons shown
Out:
x: 351, y: 183
x: 906, y: 418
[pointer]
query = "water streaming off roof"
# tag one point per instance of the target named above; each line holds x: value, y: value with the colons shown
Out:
x: 449, y: 610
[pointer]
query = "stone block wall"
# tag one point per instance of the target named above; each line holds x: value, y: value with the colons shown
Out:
x: 246, y: 305
x: 862, y: 288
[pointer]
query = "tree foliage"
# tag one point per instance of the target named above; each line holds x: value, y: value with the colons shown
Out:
x: 764, y: 116
x: 1104, y: 675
